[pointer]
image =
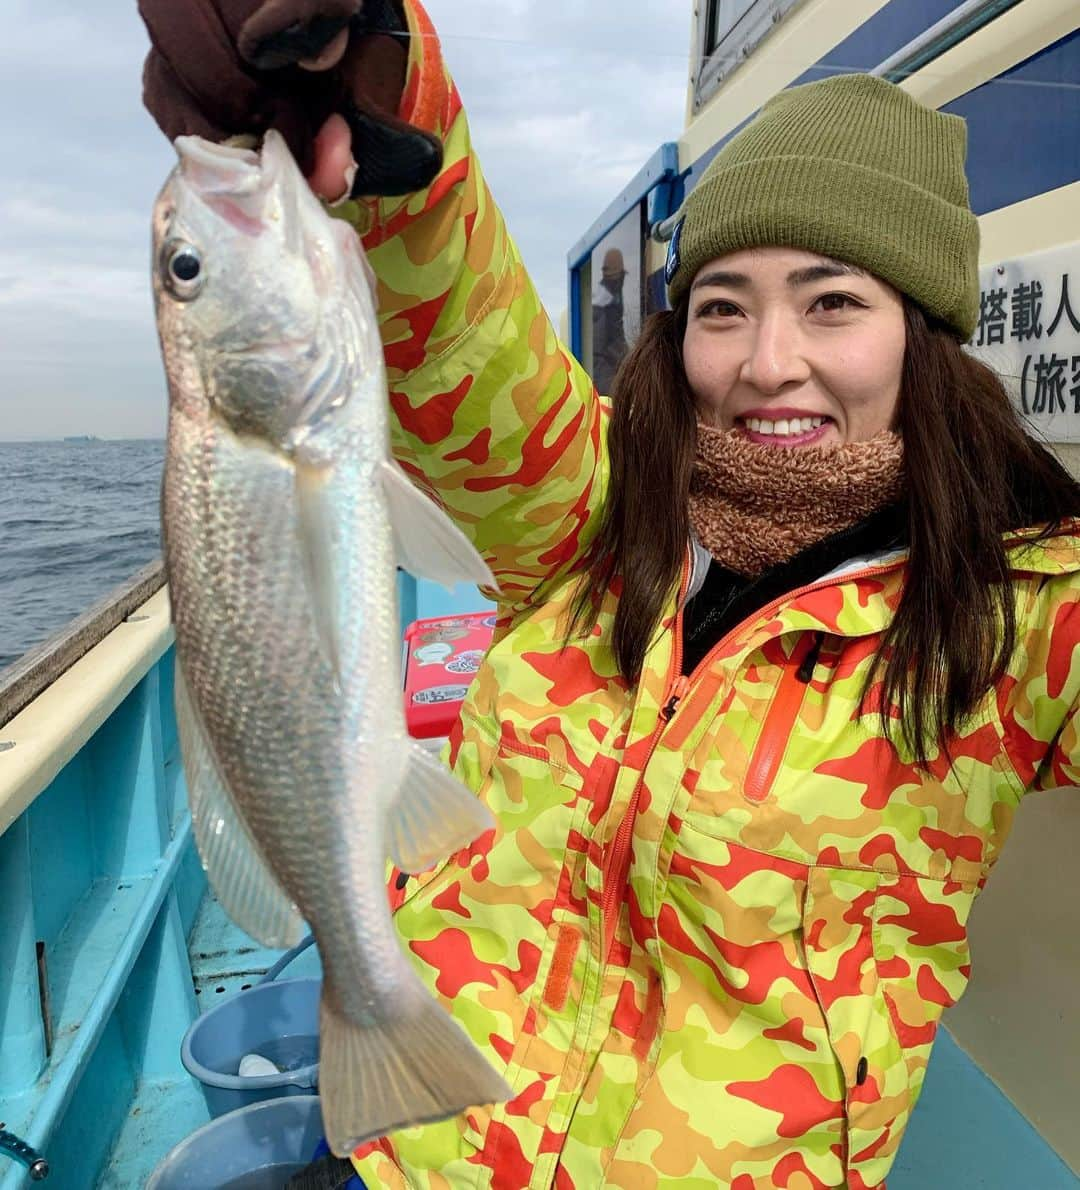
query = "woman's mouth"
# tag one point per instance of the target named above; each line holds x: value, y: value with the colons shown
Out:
x: 784, y: 431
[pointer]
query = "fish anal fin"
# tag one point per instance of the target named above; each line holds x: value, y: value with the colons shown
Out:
x: 433, y: 815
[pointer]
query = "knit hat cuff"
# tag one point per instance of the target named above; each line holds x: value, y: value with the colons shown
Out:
x: 926, y: 247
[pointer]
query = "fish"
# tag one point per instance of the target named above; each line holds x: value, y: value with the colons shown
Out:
x: 284, y: 519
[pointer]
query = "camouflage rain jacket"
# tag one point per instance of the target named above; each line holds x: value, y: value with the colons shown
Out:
x: 712, y: 938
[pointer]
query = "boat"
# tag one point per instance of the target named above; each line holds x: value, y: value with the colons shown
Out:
x: 112, y: 947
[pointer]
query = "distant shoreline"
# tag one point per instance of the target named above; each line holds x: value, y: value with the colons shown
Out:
x: 75, y: 440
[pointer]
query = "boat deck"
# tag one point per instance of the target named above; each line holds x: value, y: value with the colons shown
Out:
x: 224, y: 961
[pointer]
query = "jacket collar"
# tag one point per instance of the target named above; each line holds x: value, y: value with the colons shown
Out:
x: 859, y: 597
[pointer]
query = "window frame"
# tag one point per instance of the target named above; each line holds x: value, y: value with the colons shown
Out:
x: 734, y: 46
x: 588, y: 273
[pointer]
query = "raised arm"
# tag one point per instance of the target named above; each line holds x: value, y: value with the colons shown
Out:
x: 492, y: 415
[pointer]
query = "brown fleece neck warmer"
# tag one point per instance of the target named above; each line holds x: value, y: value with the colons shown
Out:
x: 754, y: 506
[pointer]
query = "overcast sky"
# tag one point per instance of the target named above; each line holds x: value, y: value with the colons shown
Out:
x: 566, y: 99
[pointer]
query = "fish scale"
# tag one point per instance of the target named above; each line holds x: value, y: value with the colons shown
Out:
x: 284, y: 518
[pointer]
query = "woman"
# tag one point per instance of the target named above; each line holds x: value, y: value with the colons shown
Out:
x: 785, y: 633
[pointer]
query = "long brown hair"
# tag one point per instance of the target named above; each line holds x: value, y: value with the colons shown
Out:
x: 973, y: 473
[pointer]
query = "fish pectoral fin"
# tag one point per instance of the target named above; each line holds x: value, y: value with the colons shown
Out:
x: 315, y: 524
x: 239, y: 875
x: 433, y: 815
x: 407, y: 1064
x: 427, y: 541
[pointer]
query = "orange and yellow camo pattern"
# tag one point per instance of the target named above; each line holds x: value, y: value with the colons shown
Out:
x: 708, y: 945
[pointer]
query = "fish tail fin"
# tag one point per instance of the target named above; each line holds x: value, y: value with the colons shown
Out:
x: 413, y: 1067
x: 433, y: 815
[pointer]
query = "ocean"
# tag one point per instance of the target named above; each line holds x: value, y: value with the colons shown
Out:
x: 76, y: 519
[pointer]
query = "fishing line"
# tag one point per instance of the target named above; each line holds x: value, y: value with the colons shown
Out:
x: 631, y: 52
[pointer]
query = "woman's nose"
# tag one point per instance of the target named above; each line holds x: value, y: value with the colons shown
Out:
x: 776, y: 356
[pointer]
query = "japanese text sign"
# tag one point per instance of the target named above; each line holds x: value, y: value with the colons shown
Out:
x: 1029, y: 333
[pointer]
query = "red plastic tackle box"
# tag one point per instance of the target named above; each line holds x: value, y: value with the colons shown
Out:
x: 441, y: 657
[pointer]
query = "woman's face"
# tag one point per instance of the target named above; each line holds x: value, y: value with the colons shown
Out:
x: 794, y: 349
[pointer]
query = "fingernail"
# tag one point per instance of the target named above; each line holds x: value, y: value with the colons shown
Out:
x: 350, y: 177
x: 330, y: 56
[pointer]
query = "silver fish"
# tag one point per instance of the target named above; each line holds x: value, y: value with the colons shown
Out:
x: 284, y: 517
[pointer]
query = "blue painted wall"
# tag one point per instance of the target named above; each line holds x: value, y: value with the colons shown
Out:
x: 1024, y: 128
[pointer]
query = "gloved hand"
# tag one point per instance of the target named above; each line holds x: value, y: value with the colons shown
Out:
x: 221, y: 68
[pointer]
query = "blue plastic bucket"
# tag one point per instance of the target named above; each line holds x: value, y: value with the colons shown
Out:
x: 280, y: 1021
x: 256, y: 1148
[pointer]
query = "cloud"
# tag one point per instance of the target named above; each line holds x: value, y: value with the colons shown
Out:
x: 48, y: 216
x: 566, y: 102
x: 66, y: 39
x: 69, y: 292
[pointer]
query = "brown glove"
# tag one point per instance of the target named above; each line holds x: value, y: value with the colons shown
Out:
x: 219, y: 68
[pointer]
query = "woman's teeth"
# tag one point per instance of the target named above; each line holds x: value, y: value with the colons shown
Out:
x: 785, y: 426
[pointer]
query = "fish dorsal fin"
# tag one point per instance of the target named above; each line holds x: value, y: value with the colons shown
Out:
x: 239, y: 875
x: 317, y: 546
x: 428, y: 543
x: 433, y: 815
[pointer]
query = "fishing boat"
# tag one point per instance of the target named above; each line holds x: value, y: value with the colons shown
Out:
x: 111, y: 946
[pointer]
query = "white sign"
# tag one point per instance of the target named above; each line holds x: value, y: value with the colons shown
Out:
x: 1029, y: 333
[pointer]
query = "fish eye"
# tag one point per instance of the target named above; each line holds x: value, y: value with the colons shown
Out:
x: 182, y: 269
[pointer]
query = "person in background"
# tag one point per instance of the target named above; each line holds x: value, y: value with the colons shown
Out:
x: 786, y: 629
x: 609, y: 345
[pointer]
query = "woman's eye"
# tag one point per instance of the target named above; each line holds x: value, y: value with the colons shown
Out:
x: 724, y: 309
x: 831, y: 302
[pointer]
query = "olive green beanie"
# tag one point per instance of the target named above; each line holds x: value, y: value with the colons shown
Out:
x: 851, y: 167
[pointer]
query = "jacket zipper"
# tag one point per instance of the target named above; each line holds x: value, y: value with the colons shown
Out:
x: 616, y: 869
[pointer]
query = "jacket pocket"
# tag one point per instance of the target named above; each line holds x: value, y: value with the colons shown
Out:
x: 886, y: 955
x: 403, y: 886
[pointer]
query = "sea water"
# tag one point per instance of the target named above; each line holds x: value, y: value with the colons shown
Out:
x: 77, y: 519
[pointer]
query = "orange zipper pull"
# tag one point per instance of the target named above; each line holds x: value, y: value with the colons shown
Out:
x: 677, y: 691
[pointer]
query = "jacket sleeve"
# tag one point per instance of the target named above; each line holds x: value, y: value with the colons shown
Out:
x: 1040, y: 700
x: 490, y: 414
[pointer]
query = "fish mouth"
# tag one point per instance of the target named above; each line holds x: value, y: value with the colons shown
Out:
x: 218, y: 169
x: 233, y: 181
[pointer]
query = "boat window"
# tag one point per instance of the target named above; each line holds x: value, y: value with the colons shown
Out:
x: 728, y: 33
x: 724, y: 15
x: 611, y: 318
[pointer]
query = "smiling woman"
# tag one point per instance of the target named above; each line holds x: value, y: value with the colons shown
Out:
x: 823, y: 275
x: 845, y: 639
x: 775, y: 349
